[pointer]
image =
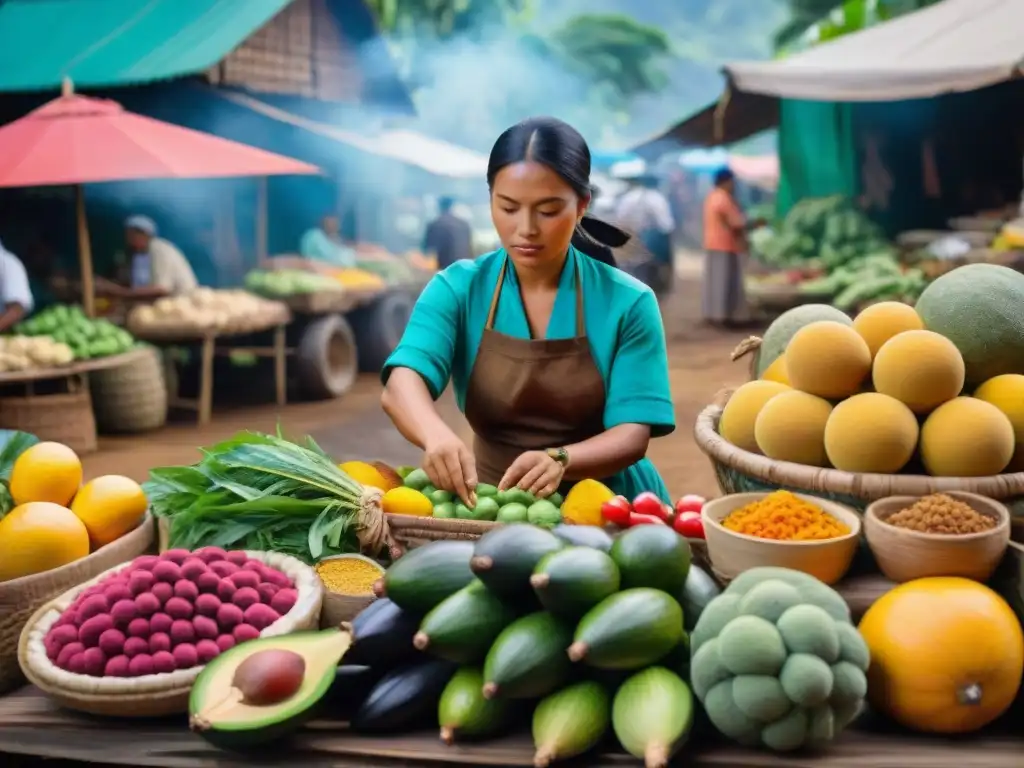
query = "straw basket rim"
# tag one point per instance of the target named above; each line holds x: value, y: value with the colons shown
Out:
x: 847, y: 517
x: 139, y: 538
x: 860, y: 485
x: 149, y: 694
x: 991, y: 508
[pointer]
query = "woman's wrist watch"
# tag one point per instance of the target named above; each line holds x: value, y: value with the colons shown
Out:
x: 560, y: 455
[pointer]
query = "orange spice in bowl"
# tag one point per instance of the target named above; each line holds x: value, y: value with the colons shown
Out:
x: 784, y: 516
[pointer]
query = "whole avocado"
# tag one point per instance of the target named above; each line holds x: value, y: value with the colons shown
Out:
x: 776, y: 661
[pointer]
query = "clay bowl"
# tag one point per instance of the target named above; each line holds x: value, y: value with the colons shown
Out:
x: 904, y: 555
x: 732, y: 553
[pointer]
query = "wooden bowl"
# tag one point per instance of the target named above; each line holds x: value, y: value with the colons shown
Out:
x: 148, y: 695
x: 904, y: 555
x: 340, y: 608
x: 732, y: 553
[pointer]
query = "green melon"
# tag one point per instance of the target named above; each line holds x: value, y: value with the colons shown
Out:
x: 777, y: 337
x: 980, y: 308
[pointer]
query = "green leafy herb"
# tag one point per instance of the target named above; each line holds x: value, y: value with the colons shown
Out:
x: 12, y: 444
x: 263, y: 492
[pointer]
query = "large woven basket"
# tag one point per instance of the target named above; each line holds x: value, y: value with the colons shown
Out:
x: 149, y: 695
x: 20, y: 597
x: 411, y: 531
x: 739, y: 471
x: 63, y: 418
x: 132, y: 397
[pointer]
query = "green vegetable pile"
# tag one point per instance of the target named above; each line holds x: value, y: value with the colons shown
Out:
x: 829, y: 229
x: 88, y: 338
x: 263, y: 492
x: 288, y: 282
x: 391, y: 270
x: 876, y: 277
x: 511, y: 506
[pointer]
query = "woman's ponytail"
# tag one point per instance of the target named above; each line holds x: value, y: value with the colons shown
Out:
x: 597, y: 239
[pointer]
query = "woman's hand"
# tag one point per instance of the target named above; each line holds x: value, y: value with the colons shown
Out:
x: 451, y: 466
x: 533, y: 471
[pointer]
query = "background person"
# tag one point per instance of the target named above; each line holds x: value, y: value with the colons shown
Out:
x: 448, y: 237
x: 556, y: 356
x: 323, y: 244
x: 646, y: 211
x: 723, y: 299
x: 150, y: 266
x: 15, y: 292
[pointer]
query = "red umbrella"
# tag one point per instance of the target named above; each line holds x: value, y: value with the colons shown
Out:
x: 75, y: 140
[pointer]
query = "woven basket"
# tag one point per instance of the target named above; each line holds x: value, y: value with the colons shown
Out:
x: 739, y: 471
x: 132, y: 397
x: 19, y: 598
x: 150, y: 695
x: 411, y: 531
x: 63, y: 418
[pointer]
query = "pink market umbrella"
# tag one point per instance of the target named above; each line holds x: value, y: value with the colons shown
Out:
x: 75, y: 140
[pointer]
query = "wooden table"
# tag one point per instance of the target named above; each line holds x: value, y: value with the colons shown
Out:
x: 31, y: 725
x: 216, y: 344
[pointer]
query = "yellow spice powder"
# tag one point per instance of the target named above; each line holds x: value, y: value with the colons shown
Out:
x: 348, y: 575
x: 784, y: 516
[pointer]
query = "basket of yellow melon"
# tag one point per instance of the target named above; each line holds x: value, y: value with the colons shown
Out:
x: 899, y: 401
x: 57, y: 534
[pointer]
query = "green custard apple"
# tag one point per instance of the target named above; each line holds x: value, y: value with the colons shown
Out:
x: 776, y: 661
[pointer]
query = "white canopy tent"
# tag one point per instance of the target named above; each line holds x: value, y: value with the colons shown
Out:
x: 951, y: 47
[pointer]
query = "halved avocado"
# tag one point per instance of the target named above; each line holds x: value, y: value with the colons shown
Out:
x: 219, y: 711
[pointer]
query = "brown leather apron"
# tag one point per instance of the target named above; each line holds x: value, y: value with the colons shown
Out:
x: 531, y: 394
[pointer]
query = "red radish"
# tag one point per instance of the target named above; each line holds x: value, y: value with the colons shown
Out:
x: 640, y: 519
x: 616, y: 511
x: 648, y: 503
x: 690, y: 503
x: 689, y: 524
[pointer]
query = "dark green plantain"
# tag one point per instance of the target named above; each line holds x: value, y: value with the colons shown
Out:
x: 628, y: 630
x: 652, y: 556
x: 573, y: 580
x: 464, y: 713
x: 352, y: 684
x: 504, y: 558
x: 422, y: 578
x: 528, y: 659
x: 699, y: 590
x: 462, y: 627
x: 584, y: 536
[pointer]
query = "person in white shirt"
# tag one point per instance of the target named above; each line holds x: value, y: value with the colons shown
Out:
x: 15, y: 292
x: 645, y: 211
x: 154, y: 268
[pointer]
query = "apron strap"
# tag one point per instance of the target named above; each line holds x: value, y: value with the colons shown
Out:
x: 581, y: 323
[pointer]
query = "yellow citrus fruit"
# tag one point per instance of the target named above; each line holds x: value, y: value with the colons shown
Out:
x: 406, y: 501
x: 582, y: 505
x: 40, y: 536
x: 110, y: 506
x: 365, y: 474
x: 46, y: 472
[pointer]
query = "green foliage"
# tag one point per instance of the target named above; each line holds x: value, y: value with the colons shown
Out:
x: 12, y: 444
x: 444, y: 18
x: 813, y: 22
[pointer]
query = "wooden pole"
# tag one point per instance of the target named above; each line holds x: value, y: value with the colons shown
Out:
x: 261, y: 219
x: 84, y: 253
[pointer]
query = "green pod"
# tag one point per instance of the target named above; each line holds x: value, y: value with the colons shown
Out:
x: 463, y: 712
x: 628, y: 630
x: 652, y: 715
x: 570, y: 722
x: 462, y: 627
x: 573, y: 580
x: 528, y: 659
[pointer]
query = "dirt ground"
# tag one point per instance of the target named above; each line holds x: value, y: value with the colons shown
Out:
x: 354, y: 426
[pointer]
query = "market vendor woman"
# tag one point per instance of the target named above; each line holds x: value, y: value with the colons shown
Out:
x: 557, y: 357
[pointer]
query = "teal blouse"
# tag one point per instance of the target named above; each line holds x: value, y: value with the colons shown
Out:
x: 623, y: 326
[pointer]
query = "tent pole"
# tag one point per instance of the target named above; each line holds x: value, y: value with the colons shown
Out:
x: 261, y: 219
x: 719, y: 114
x: 84, y: 253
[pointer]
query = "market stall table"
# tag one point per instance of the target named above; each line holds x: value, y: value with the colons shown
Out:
x: 64, y: 416
x: 30, y: 724
x: 218, y: 343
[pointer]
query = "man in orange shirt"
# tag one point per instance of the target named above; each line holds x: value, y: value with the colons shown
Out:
x: 725, y: 245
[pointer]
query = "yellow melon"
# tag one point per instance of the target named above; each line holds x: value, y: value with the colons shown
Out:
x: 920, y: 369
x: 966, y: 437
x: 1006, y: 393
x: 828, y: 359
x: 46, y: 472
x: 365, y: 474
x: 871, y: 432
x: 740, y: 413
x: 110, y: 506
x: 880, y: 322
x: 777, y: 371
x: 791, y: 427
x: 40, y: 536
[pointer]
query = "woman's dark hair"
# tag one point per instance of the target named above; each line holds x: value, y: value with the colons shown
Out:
x: 560, y: 147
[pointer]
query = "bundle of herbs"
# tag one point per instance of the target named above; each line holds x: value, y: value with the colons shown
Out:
x: 263, y: 492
